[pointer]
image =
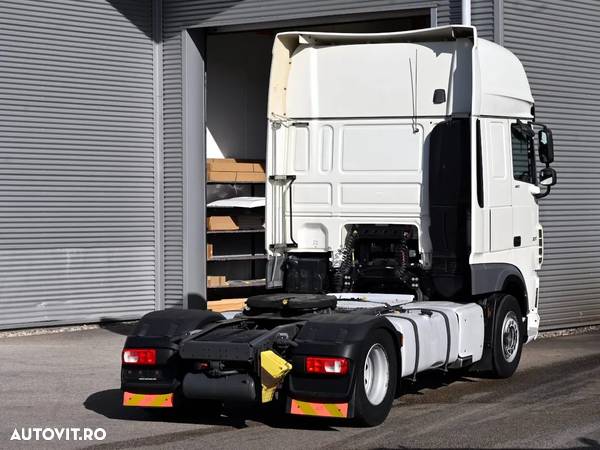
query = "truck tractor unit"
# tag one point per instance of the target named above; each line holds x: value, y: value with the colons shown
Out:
x: 402, y: 232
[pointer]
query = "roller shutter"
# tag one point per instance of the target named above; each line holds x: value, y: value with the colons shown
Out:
x: 482, y: 17
x: 558, y: 43
x: 77, y: 230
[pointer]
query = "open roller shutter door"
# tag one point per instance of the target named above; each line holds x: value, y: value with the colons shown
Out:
x: 182, y: 14
x: 76, y: 161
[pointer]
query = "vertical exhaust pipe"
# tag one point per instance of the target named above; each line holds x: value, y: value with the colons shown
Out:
x: 466, y: 12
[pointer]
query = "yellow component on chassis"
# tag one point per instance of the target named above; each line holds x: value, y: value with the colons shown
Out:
x: 148, y: 400
x: 273, y: 370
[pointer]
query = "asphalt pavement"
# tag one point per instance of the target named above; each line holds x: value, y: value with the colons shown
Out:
x: 72, y: 379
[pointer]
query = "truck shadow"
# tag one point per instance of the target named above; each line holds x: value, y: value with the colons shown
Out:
x: 116, y: 326
x: 108, y: 403
x: 435, y: 379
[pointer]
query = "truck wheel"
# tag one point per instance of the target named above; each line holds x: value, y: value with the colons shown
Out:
x: 376, y: 376
x: 508, y: 337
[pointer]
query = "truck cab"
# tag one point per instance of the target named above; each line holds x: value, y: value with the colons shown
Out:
x: 405, y: 162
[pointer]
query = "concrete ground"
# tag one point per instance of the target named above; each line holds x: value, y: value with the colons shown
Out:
x: 72, y: 379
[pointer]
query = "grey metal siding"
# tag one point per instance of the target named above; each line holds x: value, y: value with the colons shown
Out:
x: 77, y: 238
x: 482, y: 17
x: 558, y: 44
x: 182, y: 14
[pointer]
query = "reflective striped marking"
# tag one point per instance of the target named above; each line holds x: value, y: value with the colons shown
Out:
x: 319, y: 409
x: 148, y: 400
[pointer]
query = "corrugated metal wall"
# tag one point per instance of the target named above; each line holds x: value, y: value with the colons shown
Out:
x: 77, y: 237
x: 182, y: 14
x: 482, y: 17
x: 76, y: 161
x: 557, y: 42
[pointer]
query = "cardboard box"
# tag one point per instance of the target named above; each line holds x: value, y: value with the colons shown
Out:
x: 221, y: 223
x: 232, y: 177
x: 220, y: 165
x: 209, y: 251
x: 250, y: 177
x: 222, y: 177
x: 230, y: 304
x: 259, y: 167
x: 229, y: 165
x: 213, y: 281
x: 228, y: 170
x: 229, y: 223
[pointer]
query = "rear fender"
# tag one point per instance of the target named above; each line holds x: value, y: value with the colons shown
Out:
x: 162, y: 331
x: 172, y: 323
x: 337, y: 335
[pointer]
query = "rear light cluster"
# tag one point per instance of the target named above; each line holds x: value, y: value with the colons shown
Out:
x: 326, y: 366
x: 139, y: 356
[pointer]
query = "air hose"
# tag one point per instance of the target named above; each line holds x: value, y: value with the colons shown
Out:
x: 346, y: 261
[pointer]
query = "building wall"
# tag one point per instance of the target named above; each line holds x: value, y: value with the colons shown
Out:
x: 77, y: 240
x: 557, y: 42
x: 77, y: 191
x: 179, y: 15
x: 482, y: 17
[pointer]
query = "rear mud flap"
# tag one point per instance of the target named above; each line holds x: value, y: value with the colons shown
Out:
x: 148, y: 400
x: 301, y: 408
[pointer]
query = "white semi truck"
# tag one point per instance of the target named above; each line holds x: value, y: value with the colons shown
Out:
x: 402, y: 232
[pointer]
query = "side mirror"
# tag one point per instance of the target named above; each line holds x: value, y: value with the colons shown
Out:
x: 546, y: 146
x: 548, y: 177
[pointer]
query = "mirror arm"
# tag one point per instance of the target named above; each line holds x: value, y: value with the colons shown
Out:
x: 543, y: 194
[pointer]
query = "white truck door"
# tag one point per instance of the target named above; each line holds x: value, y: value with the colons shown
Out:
x: 525, y: 211
x: 497, y: 164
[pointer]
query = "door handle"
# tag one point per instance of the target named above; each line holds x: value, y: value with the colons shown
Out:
x: 517, y: 241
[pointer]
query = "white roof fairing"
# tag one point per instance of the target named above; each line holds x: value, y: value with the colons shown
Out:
x: 446, y: 33
x: 500, y: 85
x: 395, y: 74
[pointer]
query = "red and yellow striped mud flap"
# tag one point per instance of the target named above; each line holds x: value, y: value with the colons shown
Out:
x: 319, y: 409
x: 148, y: 400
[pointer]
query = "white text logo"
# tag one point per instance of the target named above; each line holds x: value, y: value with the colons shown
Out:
x: 59, y: 434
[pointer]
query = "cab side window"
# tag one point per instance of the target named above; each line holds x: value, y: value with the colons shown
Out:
x: 522, y: 155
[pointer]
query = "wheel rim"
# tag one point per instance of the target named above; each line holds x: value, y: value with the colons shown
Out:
x: 376, y: 374
x: 510, y: 337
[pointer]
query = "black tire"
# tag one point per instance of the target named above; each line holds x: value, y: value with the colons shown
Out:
x: 365, y: 412
x: 506, y: 349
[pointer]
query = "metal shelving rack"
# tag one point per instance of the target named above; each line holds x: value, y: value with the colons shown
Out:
x: 243, y: 287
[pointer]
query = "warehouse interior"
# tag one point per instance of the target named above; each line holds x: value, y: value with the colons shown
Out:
x: 237, y: 73
x: 237, y: 78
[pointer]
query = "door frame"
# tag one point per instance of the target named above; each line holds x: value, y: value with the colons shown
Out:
x: 193, y: 44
